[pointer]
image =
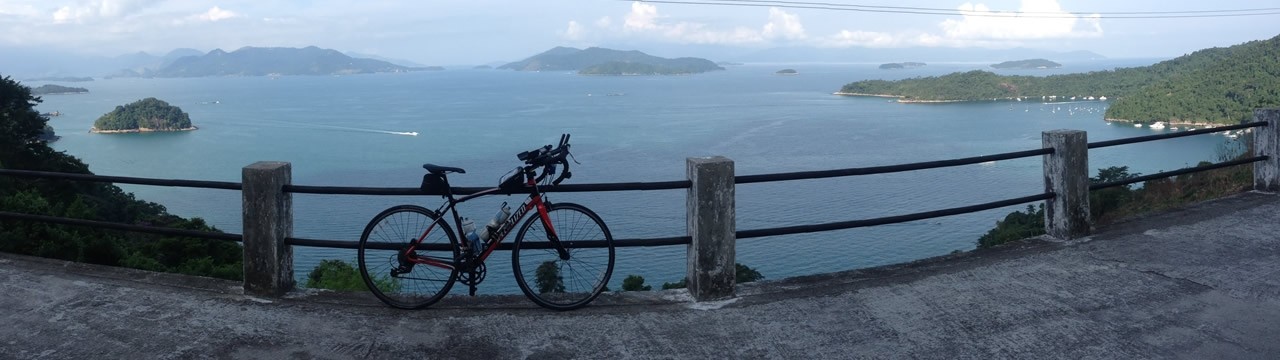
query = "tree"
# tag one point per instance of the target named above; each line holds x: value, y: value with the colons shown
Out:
x: 635, y: 283
x: 547, y: 278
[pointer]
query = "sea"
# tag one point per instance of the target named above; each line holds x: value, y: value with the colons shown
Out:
x: 356, y: 131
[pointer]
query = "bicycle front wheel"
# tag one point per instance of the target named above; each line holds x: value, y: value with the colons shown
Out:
x: 404, y: 278
x: 563, y: 283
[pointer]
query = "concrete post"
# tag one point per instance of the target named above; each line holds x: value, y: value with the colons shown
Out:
x: 268, y: 220
x: 710, y: 218
x: 1266, y: 141
x: 1066, y: 173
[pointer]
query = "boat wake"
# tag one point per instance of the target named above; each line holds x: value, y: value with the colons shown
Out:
x: 351, y: 129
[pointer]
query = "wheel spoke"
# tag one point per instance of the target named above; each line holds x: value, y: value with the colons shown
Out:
x: 416, y: 284
x: 576, y: 281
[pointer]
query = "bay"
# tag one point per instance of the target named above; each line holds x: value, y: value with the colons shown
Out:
x: 342, y: 131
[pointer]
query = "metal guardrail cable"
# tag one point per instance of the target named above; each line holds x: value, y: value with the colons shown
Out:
x: 840, y: 225
x: 1138, y: 139
x: 341, y: 244
x: 124, y: 227
x: 631, y: 186
x: 123, y: 179
x: 1183, y: 171
x: 819, y: 174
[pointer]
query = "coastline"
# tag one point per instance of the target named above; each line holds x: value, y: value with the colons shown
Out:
x: 900, y: 98
x: 1169, y: 122
x: 95, y: 130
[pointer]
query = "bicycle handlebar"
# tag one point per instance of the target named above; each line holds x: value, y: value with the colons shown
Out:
x: 547, y: 158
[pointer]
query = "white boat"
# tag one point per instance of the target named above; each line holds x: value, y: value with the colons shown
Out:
x: 1175, y: 128
x: 1157, y: 125
x: 1137, y: 125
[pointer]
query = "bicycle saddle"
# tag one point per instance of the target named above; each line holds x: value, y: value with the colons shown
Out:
x: 437, y: 169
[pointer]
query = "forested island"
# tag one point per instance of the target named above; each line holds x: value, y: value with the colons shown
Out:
x: 787, y: 72
x: 601, y: 61
x: 146, y: 115
x: 51, y: 89
x: 1216, y: 85
x: 262, y: 61
x: 24, y: 146
x: 901, y: 65
x: 1027, y: 64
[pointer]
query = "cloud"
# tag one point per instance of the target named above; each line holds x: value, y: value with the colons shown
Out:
x: 214, y: 14
x: 84, y: 11
x: 573, y: 32
x: 978, y: 22
x: 644, y: 20
x: 784, y: 25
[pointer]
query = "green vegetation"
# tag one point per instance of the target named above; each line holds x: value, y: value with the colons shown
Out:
x: 1106, y: 206
x: 1218, y: 85
x: 743, y: 274
x: 547, y: 278
x: 21, y: 148
x: 342, y: 276
x: 148, y: 114
x: 903, y: 65
x: 1028, y: 64
x: 51, y: 89
x: 601, y: 61
x: 635, y: 283
x: 256, y: 61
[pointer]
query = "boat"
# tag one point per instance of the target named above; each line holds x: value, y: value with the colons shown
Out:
x: 1157, y: 125
x: 1175, y: 128
x: 1137, y: 125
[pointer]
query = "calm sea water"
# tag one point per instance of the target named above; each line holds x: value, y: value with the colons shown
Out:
x: 340, y: 131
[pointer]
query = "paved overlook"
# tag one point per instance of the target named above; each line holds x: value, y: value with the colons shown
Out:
x: 1201, y: 283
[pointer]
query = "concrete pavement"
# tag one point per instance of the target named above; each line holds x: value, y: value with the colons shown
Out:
x: 1201, y: 282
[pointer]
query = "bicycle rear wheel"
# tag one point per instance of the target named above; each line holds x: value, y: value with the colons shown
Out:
x: 563, y: 284
x: 399, y: 277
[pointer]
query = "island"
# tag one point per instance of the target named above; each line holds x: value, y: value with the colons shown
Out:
x: 1027, y: 64
x: 272, y: 61
x: 901, y: 65
x: 146, y: 115
x: 51, y: 89
x: 1210, y: 86
x: 786, y: 72
x: 728, y: 63
x: 601, y: 61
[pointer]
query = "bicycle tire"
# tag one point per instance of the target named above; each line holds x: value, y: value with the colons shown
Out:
x: 588, y: 268
x: 396, y: 228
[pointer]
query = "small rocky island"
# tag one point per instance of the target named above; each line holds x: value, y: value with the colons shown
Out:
x: 146, y: 115
x: 58, y: 90
x: 787, y: 72
x: 901, y: 65
x: 1028, y: 64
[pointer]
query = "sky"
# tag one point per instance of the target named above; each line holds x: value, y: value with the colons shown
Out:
x: 445, y: 32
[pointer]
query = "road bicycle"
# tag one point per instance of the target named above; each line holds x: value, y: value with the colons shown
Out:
x: 562, y: 257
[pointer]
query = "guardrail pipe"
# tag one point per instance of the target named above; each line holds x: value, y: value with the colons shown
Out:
x: 268, y: 220
x: 1066, y: 174
x: 710, y: 218
x: 1266, y: 141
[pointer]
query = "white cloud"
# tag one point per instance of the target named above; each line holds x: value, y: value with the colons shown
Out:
x: 846, y: 38
x: 978, y: 22
x: 784, y: 25
x: 642, y: 17
x: 215, y: 14
x: 604, y: 22
x: 84, y: 11
x: 573, y: 32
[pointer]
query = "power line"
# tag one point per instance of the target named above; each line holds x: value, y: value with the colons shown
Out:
x: 958, y: 11
x: 952, y: 12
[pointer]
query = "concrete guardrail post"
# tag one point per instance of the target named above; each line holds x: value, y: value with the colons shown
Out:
x: 268, y: 220
x: 1066, y: 174
x: 710, y: 211
x: 1266, y: 141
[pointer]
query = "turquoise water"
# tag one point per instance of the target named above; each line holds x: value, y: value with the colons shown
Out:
x: 340, y: 131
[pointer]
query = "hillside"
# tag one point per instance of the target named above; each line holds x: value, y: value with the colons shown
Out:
x: 255, y: 61
x: 1027, y: 64
x: 144, y: 115
x: 601, y: 61
x: 1218, y: 85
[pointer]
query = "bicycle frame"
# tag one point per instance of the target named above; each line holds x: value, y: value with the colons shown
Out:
x: 534, y: 201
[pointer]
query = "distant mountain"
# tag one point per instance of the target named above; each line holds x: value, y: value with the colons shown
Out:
x: 401, y: 62
x: 1217, y: 85
x: 255, y: 61
x: 51, y: 89
x: 1027, y: 64
x: 601, y: 61
x: 902, y: 65
x: 939, y: 55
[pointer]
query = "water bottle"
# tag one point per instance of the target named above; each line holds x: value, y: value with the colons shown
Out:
x: 469, y: 230
x: 495, y: 222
